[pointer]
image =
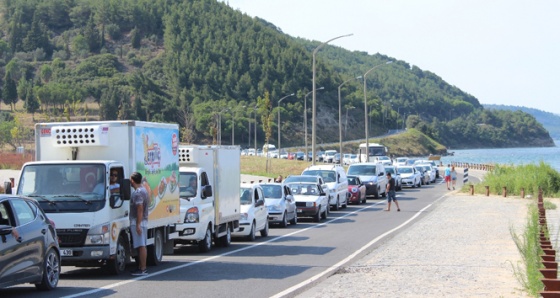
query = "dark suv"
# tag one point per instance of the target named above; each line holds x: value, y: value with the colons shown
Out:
x: 29, y: 250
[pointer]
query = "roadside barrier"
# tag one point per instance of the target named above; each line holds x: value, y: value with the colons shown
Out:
x: 550, y: 271
x: 474, y: 166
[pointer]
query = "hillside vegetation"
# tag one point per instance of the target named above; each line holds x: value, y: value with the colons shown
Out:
x: 207, y: 67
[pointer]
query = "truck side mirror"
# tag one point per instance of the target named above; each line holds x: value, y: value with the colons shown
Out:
x: 125, y: 189
x: 115, y: 201
x: 8, y: 187
x: 206, y: 191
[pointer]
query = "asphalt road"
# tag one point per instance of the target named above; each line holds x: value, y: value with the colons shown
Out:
x: 285, y: 263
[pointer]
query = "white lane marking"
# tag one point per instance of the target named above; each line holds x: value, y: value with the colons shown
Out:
x: 125, y: 282
x: 347, y: 259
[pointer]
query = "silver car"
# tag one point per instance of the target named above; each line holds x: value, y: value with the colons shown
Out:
x: 281, y: 204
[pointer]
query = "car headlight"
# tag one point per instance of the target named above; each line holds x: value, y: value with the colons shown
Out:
x: 192, y: 215
x: 244, y: 216
x: 98, y: 235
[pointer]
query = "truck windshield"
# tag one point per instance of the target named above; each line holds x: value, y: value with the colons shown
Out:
x: 328, y: 176
x: 362, y: 170
x: 66, y: 186
x: 188, y: 183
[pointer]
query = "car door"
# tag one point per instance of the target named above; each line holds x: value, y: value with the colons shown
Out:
x: 261, y: 212
x: 290, y: 202
x: 9, y: 246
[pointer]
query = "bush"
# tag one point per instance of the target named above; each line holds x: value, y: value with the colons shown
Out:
x: 530, y: 177
x: 114, y: 31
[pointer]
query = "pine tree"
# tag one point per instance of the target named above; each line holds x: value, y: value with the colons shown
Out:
x: 9, y: 93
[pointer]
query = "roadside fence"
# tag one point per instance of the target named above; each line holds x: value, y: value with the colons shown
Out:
x: 549, y: 268
x: 474, y: 166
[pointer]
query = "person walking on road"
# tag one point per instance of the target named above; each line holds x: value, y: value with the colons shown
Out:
x: 453, y: 176
x: 391, y: 193
x: 139, y: 221
x: 447, y: 174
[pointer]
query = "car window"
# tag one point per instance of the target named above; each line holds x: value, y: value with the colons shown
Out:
x: 4, y: 217
x: 23, y: 212
x: 272, y: 191
x: 362, y: 170
x: 245, y: 196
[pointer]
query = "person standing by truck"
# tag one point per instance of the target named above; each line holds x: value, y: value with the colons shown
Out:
x: 139, y: 221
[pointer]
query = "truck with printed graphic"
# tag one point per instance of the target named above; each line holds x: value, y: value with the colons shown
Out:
x: 209, y: 186
x: 71, y: 180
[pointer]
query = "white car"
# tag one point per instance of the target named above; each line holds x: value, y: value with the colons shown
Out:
x: 328, y: 156
x: 400, y: 161
x: 410, y: 176
x: 395, y: 175
x: 254, y: 214
x: 335, y: 178
x: 281, y: 204
x: 430, y: 171
x: 385, y: 160
x: 311, y: 200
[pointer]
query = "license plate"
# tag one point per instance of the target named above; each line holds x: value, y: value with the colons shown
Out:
x: 299, y: 210
x: 66, y: 252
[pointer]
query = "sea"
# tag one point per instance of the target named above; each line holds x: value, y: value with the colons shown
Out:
x: 508, y: 156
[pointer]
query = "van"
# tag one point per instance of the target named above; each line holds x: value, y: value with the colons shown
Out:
x: 372, y: 175
x: 335, y: 179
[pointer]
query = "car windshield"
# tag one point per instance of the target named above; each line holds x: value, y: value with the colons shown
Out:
x: 245, y: 194
x: 272, y: 191
x: 390, y: 170
x: 405, y: 170
x: 364, y: 170
x: 352, y: 180
x: 328, y: 176
x: 300, y: 179
x: 306, y: 189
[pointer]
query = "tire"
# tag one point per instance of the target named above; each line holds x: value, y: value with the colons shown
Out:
x: 376, y: 195
x: 264, y: 232
x: 225, y: 241
x: 325, y: 214
x: 317, y: 217
x: 284, y: 222
x: 294, y: 220
x: 51, y: 271
x: 337, y: 205
x: 155, y: 251
x: 118, y: 265
x: 251, y: 236
x: 205, y: 244
x: 345, y: 205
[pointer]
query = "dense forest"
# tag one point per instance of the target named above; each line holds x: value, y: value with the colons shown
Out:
x: 550, y: 121
x: 220, y: 73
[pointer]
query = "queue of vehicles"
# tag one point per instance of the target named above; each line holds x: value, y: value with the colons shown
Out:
x: 195, y: 193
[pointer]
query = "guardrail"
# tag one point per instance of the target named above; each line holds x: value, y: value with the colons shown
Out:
x: 474, y: 166
x: 550, y: 271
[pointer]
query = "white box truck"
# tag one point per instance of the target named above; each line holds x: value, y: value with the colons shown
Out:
x: 71, y: 180
x: 209, y: 183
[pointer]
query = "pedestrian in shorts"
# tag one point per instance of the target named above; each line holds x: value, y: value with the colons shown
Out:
x: 391, y: 193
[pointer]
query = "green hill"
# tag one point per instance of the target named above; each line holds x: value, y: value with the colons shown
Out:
x: 207, y: 67
x: 549, y: 121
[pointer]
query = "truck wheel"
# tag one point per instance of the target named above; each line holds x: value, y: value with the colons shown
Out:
x: 264, y: 232
x: 155, y: 251
x: 118, y: 265
x: 51, y: 271
x: 225, y: 241
x: 251, y: 236
x: 205, y: 244
x: 284, y: 222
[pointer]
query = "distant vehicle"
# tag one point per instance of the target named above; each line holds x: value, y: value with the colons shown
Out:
x: 430, y: 171
x: 254, y: 214
x: 319, y: 156
x: 410, y: 176
x: 29, y: 251
x: 281, y: 204
x: 429, y: 161
x: 372, y: 175
x: 291, y: 155
x: 251, y: 152
x: 300, y: 155
x: 356, y: 190
x: 346, y: 158
x: 336, y: 158
x: 423, y: 174
x: 394, y: 174
x: 311, y: 200
x: 328, y: 156
x: 385, y: 160
x: 335, y: 178
x: 309, y: 178
x: 400, y: 161
x: 373, y: 151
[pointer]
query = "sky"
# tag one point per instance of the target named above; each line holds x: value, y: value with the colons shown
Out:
x: 501, y: 52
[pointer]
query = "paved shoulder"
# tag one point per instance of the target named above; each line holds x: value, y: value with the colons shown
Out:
x: 462, y: 248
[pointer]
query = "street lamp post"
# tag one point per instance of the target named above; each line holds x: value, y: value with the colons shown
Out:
x: 346, y: 125
x: 366, y: 110
x: 280, y: 100
x: 314, y: 109
x: 305, y: 121
x: 340, y: 114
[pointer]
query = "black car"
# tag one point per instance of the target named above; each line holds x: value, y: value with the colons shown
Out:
x: 29, y: 251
